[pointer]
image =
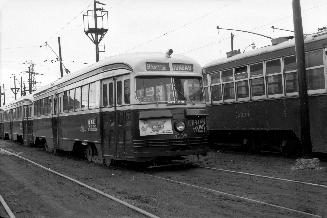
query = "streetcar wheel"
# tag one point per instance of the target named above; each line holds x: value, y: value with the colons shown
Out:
x: 89, y: 153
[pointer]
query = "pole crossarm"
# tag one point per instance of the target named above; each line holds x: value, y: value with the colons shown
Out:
x: 244, y: 31
x: 95, y: 22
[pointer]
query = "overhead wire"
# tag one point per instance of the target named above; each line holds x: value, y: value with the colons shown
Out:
x: 257, y: 27
x: 175, y: 29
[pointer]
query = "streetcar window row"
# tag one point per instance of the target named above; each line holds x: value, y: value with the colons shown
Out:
x: 84, y: 97
x: 122, y: 92
x: 270, y: 78
x: 17, y: 113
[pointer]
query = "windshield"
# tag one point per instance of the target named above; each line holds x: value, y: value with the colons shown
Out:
x: 169, y: 89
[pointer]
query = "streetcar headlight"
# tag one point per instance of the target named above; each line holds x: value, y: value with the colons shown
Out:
x: 180, y: 126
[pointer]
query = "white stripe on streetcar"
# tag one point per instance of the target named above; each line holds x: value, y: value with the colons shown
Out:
x: 86, y: 186
x: 236, y: 196
x: 5, y: 205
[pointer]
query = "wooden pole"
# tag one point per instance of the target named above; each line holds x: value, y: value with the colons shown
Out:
x: 303, y: 93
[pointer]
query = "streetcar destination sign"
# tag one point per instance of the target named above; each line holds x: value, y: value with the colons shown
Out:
x: 182, y: 67
x: 155, y: 66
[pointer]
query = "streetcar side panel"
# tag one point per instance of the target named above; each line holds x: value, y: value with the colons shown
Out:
x: 254, y: 97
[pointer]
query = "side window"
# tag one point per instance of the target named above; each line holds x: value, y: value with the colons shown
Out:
x: 66, y: 101
x: 30, y: 111
x: 119, y: 92
x: 85, y: 96
x: 257, y: 82
x: 216, y: 92
x: 55, y: 105
x: 105, y: 94
x: 93, y: 95
x: 274, y: 77
x: 39, y: 108
x: 241, y: 82
x: 291, y: 76
x: 228, y: 85
x: 35, y: 107
x: 111, y: 94
x: 315, y: 70
x: 77, y: 101
x: 60, y: 102
x: 49, y: 105
x: 206, y: 87
x: 71, y: 100
x: 127, y: 91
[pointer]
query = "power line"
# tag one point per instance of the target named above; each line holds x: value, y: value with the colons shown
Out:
x: 69, y: 22
x: 176, y: 29
x: 257, y: 27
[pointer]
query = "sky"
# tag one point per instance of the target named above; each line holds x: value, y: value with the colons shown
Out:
x: 189, y: 27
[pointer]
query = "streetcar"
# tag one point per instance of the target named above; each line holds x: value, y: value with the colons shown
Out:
x: 1, y: 123
x: 136, y: 107
x: 18, y: 121
x: 253, y: 99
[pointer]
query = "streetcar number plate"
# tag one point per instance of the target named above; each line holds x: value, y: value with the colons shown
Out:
x: 198, y: 125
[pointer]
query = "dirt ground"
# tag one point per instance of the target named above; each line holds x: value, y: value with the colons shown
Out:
x: 32, y: 192
x: 144, y: 189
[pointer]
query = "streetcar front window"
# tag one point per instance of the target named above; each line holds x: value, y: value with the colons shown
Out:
x: 169, y: 89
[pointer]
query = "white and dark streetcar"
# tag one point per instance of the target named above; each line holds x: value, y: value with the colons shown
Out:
x: 253, y: 97
x: 136, y: 107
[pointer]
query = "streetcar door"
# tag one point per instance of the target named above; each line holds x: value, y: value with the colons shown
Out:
x: 55, y: 122
x: 108, y: 88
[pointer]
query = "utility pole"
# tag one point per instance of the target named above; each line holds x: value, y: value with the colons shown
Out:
x: 96, y: 33
x: 31, y: 77
x: 2, y: 94
x: 21, y: 86
x: 300, y: 66
x: 60, y: 58
x: 15, y: 90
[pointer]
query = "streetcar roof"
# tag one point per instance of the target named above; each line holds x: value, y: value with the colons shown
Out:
x: 24, y: 100
x: 287, y: 44
x: 131, y: 61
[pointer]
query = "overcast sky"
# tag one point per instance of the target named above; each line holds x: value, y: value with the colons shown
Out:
x: 186, y: 26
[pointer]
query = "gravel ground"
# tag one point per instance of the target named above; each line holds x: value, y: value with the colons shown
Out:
x: 167, y: 199
x: 3, y: 213
x: 32, y: 192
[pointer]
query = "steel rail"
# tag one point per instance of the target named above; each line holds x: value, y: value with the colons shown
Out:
x: 5, y: 205
x: 139, y: 210
x: 236, y: 196
x: 266, y: 177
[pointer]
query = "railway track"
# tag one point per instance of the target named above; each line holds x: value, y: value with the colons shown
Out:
x: 6, y: 207
x: 264, y: 176
x: 240, y: 196
x: 111, y: 197
x: 236, y: 196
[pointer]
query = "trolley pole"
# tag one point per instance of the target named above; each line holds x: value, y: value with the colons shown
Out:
x: 60, y: 58
x: 300, y: 66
